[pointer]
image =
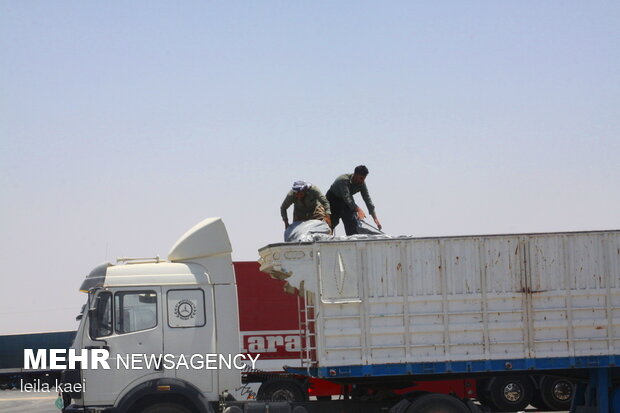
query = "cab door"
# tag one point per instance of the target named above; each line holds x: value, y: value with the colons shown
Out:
x: 128, y: 323
x: 190, y: 332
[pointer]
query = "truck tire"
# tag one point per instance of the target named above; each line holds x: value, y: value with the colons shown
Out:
x: 165, y: 408
x: 556, y: 393
x: 510, y: 394
x: 282, y: 390
x: 437, y: 403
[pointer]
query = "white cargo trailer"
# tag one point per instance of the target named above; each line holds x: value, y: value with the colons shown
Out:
x: 509, y: 304
x: 478, y: 298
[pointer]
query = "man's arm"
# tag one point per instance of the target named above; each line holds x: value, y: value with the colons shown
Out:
x: 370, y: 205
x: 288, y: 201
x: 374, y: 216
x: 367, y: 200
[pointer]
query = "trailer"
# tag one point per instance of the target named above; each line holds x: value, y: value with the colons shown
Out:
x: 504, y: 307
x: 276, y: 331
x: 377, y: 314
x: 12, y: 372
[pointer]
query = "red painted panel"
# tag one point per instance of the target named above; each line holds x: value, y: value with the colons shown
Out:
x: 263, y: 304
x: 268, y: 316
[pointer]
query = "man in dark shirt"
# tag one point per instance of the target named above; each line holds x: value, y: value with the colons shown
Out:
x: 340, y: 197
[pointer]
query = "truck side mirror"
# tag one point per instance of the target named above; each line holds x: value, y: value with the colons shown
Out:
x: 81, y: 314
x: 92, y: 322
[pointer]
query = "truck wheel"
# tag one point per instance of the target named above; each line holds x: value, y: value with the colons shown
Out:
x: 509, y: 394
x: 166, y: 408
x: 556, y: 393
x: 437, y: 403
x: 282, y: 390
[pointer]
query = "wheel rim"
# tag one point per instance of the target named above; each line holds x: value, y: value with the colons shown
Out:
x: 562, y: 391
x: 283, y: 395
x: 513, y: 392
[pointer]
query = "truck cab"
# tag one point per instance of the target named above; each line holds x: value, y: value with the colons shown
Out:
x: 157, y: 322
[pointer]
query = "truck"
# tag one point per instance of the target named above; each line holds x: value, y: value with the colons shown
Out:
x: 12, y: 346
x: 377, y: 314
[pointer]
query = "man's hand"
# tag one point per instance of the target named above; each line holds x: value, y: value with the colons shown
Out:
x: 286, y: 224
x: 328, y: 221
x: 360, y: 213
x: 377, y: 222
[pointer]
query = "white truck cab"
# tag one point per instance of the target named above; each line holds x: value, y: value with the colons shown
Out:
x: 152, y: 317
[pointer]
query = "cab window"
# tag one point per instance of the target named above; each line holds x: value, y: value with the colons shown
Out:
x: 135, y: 311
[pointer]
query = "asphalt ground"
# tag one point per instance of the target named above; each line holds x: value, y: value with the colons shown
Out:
x: 15, y: 401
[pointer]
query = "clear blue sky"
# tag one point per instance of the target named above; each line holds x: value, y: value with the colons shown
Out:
x: 122, y: 124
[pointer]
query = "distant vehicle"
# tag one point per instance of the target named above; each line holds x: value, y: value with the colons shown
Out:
x: 12, y: 372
